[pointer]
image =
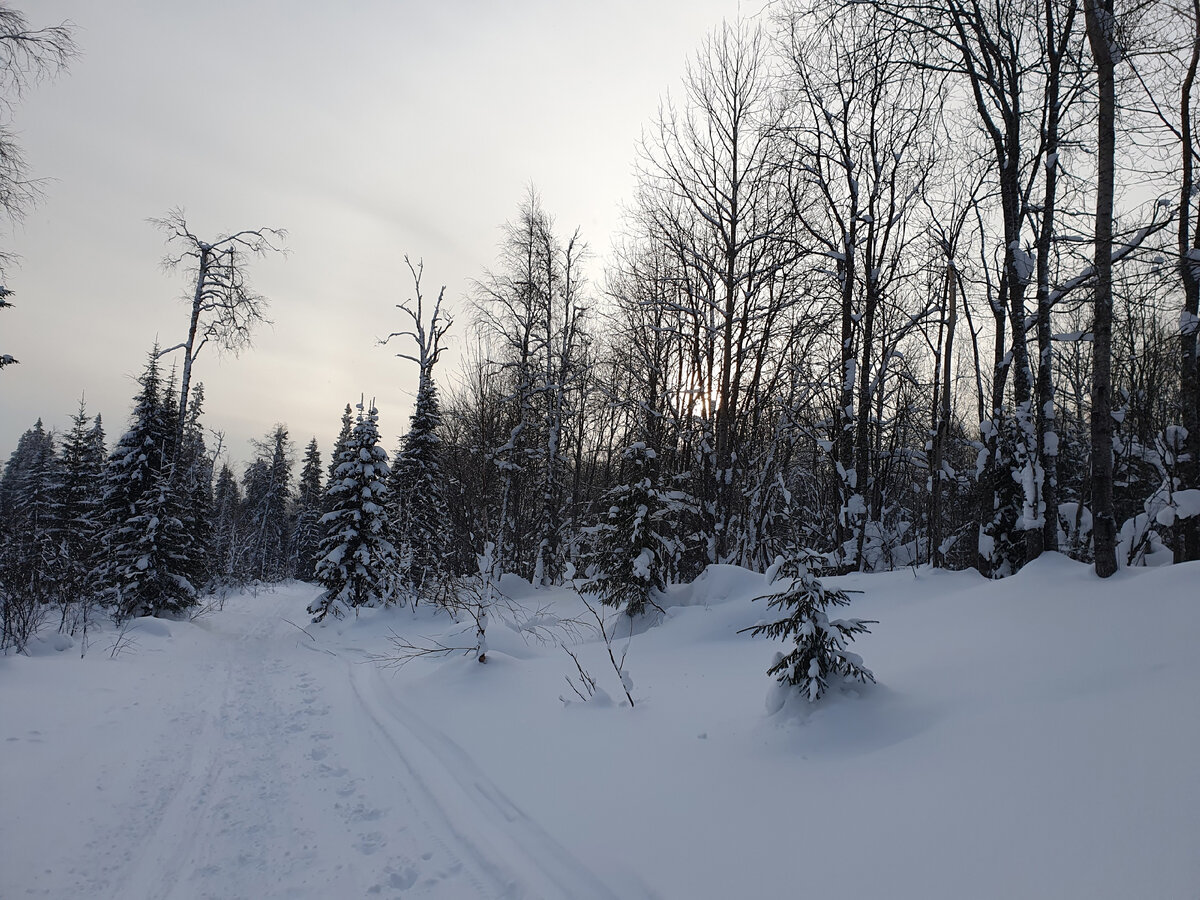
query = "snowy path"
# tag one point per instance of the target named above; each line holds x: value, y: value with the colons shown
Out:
x: 254, y: 763
x: 1032, y: 737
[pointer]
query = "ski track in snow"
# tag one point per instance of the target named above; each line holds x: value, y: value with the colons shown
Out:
x: 283, y: 772
x: 238, y: 757
x: 500, y: 838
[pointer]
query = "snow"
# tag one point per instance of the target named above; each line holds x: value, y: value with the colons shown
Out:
x: 1188, y: 322
x: 240, y: 755
x: 1187, y: 503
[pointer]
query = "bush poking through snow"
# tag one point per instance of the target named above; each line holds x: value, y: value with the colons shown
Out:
x: 585, y: 686
x: 820, y: 650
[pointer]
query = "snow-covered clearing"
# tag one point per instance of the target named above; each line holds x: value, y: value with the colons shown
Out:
x: 1035, y: 737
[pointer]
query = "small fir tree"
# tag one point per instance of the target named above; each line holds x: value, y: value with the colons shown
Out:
x: 635, y: 546
x: 358, y: 562
x: 820, y: 642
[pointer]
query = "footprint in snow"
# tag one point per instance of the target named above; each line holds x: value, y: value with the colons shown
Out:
x: 361, y: 813
x: 370, y: 843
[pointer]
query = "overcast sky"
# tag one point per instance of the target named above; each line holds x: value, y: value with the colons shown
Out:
x: 367, y: 131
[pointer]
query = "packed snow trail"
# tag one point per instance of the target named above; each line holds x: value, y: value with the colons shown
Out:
x: 1030, y: 737
x: 258, y: 763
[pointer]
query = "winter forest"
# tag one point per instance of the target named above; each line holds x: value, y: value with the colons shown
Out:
x: 900, y: 284
x: 903, y: 290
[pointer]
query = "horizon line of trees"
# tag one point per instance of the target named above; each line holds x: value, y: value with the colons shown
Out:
x: 901, y: 284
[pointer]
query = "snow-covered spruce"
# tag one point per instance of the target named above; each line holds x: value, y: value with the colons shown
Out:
x: 635, y: 545
x: 306, y: 528
x: 30, y: 515
x: 420, y: 506
x: 418, y: 485
x: 820, y: 642
x: 149, y: 550
x: 357, y: 559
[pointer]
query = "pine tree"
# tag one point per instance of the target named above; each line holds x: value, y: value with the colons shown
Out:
x: 226, y: 532
x: 358, y: 561
x: 268, y: 493
x: 820, y: 642
x: 636, y: 545
x: 30, y: 558
x: 193, y: 471
x: 82, y: 461
x: 306, y: 525
x: 141, y: 452
x: 159, y: 543
x: 146, y: 547
x: 338, y: 446
x: 419, y: 490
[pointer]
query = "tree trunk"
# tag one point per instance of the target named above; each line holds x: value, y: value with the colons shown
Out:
x: 1189, y: 270
x: 1101, y: 38
x: 1057, y: 34
x: 942, y: 426
x: 189, y: 348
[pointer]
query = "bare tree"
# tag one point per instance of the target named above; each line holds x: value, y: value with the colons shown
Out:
x: 708, y: 191
x: 224, y: 307
x: 1018, y: 67
x: 27, y: 55
x: 864, y: 150
x: 533, y: 311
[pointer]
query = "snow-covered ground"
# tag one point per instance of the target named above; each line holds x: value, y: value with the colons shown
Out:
x: 1035, y: 737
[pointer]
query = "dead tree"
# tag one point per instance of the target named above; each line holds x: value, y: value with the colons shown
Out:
x: 417, y: 478
x: 224, y: 307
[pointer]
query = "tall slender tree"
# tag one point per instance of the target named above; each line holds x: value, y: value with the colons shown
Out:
x: 1102, y: 38
x: 417, y: 481
x: 82, y: 459
x: 306, y: 534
